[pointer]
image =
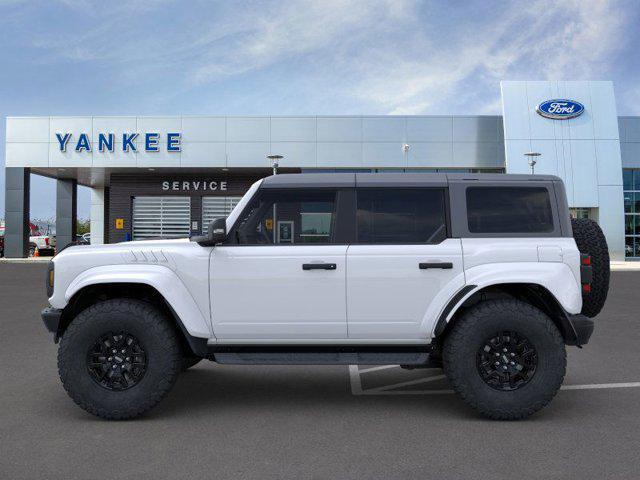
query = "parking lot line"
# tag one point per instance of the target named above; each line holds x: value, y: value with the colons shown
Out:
x: 600, y: 385
x: 375, y: 369
x: 356, y: 384
x: 406, y: 384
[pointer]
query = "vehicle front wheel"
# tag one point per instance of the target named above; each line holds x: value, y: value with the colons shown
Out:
x: 119, y: 358
x: 505, y: 358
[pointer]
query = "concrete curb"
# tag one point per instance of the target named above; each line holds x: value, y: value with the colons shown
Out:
x: 25, y: 260
x: 625, y: 266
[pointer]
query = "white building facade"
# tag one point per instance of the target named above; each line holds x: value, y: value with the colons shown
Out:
x: 168, y: 176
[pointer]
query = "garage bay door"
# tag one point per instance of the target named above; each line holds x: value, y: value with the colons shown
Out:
x: 213, y: 207
x: 161, y: 217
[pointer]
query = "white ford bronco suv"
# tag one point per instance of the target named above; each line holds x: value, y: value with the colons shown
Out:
x: 483, y: 275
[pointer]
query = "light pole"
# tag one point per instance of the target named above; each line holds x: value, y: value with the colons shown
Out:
x: 274, y: 159
x: 405, y: 152
x: 532, y: 159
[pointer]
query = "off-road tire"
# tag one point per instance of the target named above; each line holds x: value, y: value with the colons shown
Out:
x: 155, y: 333
x: 189, y: 361
x: 590, y: 240
x: 468, y: 336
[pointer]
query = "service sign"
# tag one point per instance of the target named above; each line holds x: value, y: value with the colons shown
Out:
x: 560, y: 109
x: 194, y: 185
x: 149, y: 141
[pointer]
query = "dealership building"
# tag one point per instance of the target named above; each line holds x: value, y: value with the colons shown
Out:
x: 168, y: 176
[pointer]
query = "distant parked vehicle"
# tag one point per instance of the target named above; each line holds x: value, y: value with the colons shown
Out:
x: 46, y: 244
x: 82, y: 240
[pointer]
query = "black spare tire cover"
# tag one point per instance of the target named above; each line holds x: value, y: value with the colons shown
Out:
x: 590, y: 240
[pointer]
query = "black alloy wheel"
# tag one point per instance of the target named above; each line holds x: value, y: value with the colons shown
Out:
x: 507, y: 361
x: 505, y: 358
x: 118, y: 358
x: 117, y: 361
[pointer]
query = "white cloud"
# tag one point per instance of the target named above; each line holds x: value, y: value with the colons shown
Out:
x: 292, y: 30
x: 391, y: 56
x: 539, y: 40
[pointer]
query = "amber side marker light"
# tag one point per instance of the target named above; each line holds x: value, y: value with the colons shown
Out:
x: 50, y: 279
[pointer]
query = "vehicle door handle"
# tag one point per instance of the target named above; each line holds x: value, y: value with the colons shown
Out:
x: 319, y: 266
x: 442, y: 265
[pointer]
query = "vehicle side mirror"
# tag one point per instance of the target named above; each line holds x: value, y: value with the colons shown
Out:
x: 218, y: 230
x: 217, y: 233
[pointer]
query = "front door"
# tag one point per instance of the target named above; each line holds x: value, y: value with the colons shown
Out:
x: 401, y: 264
x: 281, y: 276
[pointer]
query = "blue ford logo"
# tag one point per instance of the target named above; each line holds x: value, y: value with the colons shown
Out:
x: 560, y: 109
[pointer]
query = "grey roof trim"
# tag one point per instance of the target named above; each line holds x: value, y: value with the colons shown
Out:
x: 402, y: 180
x: 350, y: 180
x: 310, y: 180
x: 499, y: 177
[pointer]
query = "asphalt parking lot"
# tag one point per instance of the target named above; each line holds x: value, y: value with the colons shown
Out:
x: 317, y: 422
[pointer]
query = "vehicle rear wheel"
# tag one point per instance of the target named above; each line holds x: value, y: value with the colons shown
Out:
x: 505, y: 358
x: 119, y: 358
x: 591, y: 241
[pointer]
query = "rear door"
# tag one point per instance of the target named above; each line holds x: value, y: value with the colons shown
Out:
x: 401, y: 263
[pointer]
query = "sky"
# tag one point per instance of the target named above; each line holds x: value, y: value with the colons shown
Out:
x: 147, y: 57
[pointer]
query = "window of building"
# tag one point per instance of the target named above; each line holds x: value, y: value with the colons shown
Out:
x: 215, y: 207
x: 161, y: 217
x: 631, y: 181
x: 509, y: 210
x: 391, y: 216
x: 580, y: 212
x: 288, y: 218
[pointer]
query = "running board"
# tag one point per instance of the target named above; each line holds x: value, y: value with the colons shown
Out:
x: 320, y: 355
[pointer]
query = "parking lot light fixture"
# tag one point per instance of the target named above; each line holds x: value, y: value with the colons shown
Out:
x: 275, y: 159
x: 532, y: 159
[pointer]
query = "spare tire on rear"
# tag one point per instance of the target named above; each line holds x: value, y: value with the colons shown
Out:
x: 590, y: 240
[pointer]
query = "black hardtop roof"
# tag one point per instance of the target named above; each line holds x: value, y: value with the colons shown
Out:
x: 346, y: 180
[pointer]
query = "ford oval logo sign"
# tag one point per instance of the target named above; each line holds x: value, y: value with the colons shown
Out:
x: 560, y: 109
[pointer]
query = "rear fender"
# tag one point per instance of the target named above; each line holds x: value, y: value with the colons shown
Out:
x: 557, y: 278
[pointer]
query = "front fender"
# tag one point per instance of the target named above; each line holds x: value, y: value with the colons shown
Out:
x: 160, y: 277
x: 557, y: 278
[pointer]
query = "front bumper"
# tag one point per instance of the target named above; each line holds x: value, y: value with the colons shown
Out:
x: 582, y: 329
x: 51, y: 318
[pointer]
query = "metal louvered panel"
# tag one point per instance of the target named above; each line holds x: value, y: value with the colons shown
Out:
x: 161, y: 217
x: 214, y: 207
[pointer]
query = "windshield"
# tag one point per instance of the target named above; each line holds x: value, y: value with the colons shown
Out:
x: 235, y: 213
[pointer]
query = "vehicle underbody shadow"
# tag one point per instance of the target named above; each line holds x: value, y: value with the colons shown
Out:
x: 247, y: 389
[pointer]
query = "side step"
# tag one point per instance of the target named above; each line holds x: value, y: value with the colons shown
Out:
x: 320, y: 355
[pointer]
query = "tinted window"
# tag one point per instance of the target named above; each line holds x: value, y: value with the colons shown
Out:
x: 401, y: 215
x: 287, y: 217
x: 509, y: 210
